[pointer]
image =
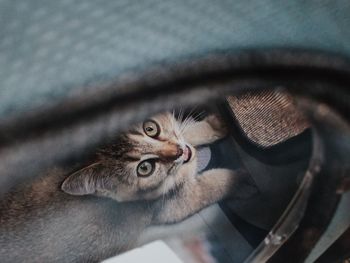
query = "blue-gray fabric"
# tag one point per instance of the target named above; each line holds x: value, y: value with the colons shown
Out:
x: 50, y: 50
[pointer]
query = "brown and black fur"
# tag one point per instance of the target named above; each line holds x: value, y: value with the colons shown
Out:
x: 102, y: 209
x: 41, y: 223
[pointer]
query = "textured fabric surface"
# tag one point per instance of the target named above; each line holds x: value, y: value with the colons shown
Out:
x: 268, y: 118
x: 52, y: 49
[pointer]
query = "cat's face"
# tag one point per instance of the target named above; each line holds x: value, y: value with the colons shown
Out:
x: 144, y: 163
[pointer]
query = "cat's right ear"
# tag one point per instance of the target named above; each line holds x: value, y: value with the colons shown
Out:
x: 83, y: 181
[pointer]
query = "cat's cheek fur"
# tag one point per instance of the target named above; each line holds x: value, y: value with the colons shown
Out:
x: 190, y: 168
x: 121, y: 194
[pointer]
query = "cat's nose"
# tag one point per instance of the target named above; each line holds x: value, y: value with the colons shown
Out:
x: 179, y: 151
x: 170, y: 152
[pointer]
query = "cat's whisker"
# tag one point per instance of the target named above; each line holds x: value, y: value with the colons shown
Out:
x: 190, y: 119
x: 181, y: 113
x: 187, y: 123
x: 183, y: 123
x: 165, y: 186
x: 180, y: 118
x: 176, y: 191
x: 199, y: 115
x: 174, y: 122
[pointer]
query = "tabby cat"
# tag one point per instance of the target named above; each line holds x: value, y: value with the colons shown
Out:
x: 148, y: 176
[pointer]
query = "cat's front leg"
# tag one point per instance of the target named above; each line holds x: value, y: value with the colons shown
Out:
x: 208, y: 188
x: 210, y: 129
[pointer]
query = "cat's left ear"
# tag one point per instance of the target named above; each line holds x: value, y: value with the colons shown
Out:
x: 82, y: 182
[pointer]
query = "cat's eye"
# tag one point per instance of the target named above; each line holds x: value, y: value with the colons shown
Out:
x: 145, y: 168
x: 151, y: 128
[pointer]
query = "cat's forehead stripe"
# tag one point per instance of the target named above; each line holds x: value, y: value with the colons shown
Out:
x: 131, y: 158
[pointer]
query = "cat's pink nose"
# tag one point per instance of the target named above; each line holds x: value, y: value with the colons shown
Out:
x: 179, y: 151
x: 170, y: 152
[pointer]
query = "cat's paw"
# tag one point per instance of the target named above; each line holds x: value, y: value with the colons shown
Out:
x: 218, y: 125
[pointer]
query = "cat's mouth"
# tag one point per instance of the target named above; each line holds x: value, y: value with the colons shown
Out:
x: 187, y: 154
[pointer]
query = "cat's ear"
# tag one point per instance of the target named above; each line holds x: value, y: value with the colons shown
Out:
x: 83, y: 181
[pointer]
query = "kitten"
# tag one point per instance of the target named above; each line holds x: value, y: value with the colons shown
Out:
x: 146, y: 177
